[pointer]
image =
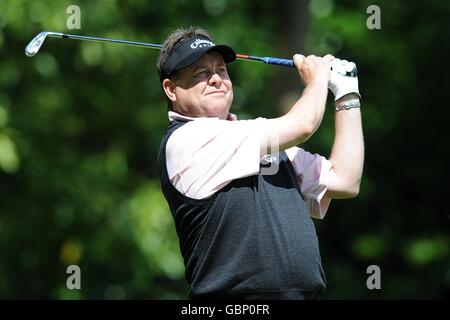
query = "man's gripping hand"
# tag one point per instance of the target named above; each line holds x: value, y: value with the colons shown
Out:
x: 313, y: 69
x: 341, y: 81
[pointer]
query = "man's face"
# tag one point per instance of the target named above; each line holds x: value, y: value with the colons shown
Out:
x: 204, y: 89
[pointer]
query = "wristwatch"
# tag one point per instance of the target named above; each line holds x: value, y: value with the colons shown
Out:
x: 354, y: 103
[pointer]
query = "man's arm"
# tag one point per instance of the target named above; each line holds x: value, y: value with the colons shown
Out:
x: 347, y: 155
x: 305, y: 116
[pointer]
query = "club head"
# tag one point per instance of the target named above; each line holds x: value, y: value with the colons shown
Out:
x: 33, y: 47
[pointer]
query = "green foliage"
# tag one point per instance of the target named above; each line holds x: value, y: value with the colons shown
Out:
x: 81, y: 123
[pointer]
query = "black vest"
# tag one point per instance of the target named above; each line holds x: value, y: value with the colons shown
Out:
x: 252, y: 239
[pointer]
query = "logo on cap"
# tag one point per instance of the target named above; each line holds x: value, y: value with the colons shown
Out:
x: 199, y: 43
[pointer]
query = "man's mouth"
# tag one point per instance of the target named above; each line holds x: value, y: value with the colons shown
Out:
x: 216, y: 92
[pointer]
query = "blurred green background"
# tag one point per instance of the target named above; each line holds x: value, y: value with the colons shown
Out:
x: 81, y: 123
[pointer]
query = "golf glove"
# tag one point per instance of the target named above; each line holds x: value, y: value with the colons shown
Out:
x: 341, y: 80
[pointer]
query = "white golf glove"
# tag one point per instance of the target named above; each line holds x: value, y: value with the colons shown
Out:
x: 343, y: 78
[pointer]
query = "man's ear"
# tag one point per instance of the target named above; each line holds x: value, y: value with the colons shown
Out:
x: 169, y: 88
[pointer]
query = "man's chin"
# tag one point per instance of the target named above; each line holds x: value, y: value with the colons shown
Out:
x: 221, y: 113
x: 215, y: 109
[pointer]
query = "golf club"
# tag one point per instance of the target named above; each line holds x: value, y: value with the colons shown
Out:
x: 33, y: 48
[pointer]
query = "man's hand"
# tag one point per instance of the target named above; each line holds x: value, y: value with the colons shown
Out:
x: 313, y: 69
x: 340, y: 83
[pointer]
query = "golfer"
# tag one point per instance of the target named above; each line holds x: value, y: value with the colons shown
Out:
x: 242, y: 203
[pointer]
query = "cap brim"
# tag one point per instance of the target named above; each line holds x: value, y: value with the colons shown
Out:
x: 227, y: 53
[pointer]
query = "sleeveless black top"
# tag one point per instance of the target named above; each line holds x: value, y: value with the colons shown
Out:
x: 252, y: 239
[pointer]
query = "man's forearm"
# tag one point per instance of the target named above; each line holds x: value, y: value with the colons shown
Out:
x: 299, y: 124
x: 305, y: 116
x: 347, y: 155
x: 309, y: 109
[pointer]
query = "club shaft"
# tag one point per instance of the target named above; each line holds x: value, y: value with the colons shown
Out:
x: 96, y: 39
x: 33, y: 47
x: 267, y: 60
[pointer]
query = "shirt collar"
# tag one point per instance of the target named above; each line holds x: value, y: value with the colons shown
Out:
x: 176, y: 116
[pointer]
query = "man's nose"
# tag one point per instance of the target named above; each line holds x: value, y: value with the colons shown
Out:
x: 215, y: 80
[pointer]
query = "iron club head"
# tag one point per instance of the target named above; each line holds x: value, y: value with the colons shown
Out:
x: 33, y: 47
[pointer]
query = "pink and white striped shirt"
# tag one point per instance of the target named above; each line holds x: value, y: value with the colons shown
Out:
x: 206, y: 154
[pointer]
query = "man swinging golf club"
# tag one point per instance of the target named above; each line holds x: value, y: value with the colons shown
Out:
x: 245, y: 234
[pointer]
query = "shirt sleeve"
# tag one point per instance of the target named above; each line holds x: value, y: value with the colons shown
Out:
x: 205, y: 155
x: 312, y: 171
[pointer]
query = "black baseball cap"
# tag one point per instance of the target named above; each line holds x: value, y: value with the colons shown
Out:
x: 189, y: 51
